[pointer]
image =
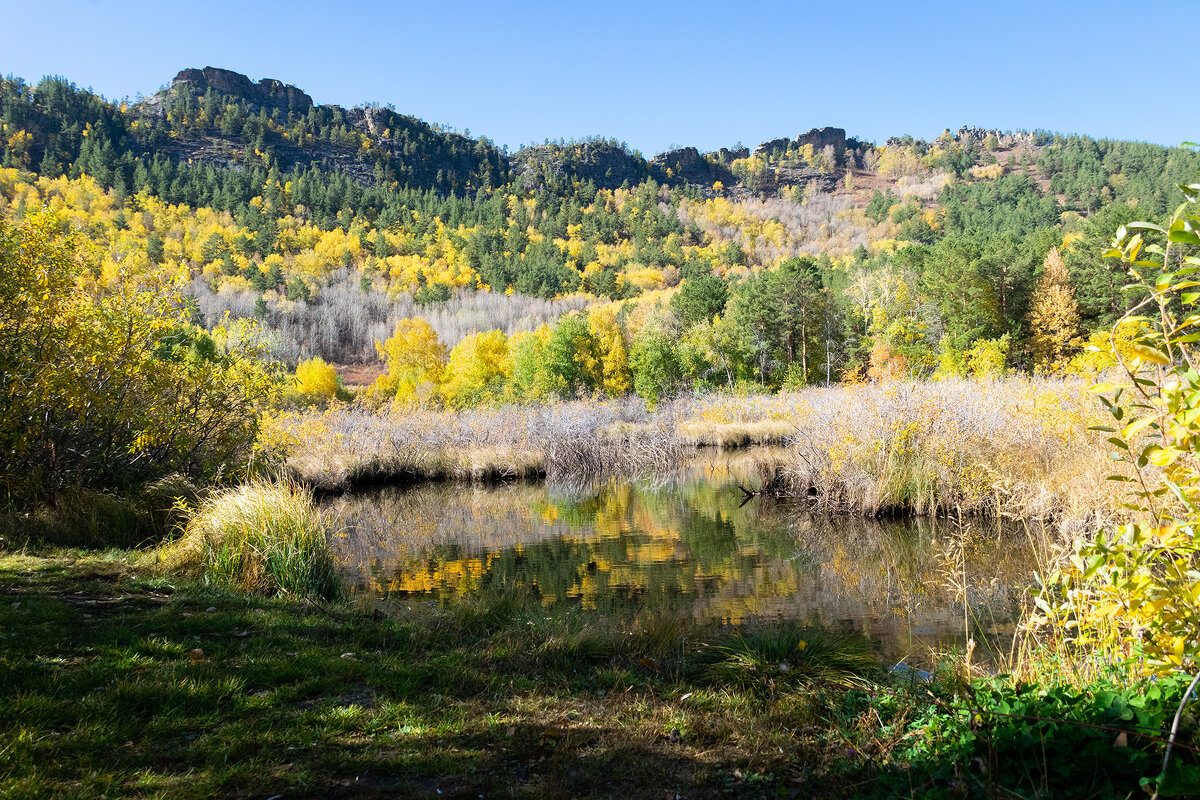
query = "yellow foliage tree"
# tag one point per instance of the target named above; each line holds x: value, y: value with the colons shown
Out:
x: 316, y: 380
x: 478, y: 369
x: 986, y: 358
x: 415, y: 359
x: 104, y: 382
x: 1053, y: 316
x: 615, y: 376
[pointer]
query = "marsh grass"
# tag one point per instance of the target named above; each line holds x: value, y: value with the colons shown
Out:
x: 260, y: 537
x: 346, y: 446
x: 1018, y: 448
x: 723, y: 420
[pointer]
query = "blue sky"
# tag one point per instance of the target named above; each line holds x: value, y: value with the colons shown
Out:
x: 659, y: 74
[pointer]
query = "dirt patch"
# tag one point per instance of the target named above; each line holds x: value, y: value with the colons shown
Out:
x: 358, y: 374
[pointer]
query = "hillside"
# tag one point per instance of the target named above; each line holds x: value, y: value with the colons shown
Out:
x: 330, y: 225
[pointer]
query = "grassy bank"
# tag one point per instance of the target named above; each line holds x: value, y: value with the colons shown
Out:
x: 348, y: 445
x: 120, y: 683
x: 1018, y: 447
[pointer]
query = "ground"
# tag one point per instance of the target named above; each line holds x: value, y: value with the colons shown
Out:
x: 119, y: 684
x: 119, y: 681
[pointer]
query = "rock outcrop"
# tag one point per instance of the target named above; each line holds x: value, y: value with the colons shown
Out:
x: 1005, y: 140
x: 819, y: 138
x: 728, y: 155
x: 680, y: 159
x: 770, y: 146
x: 268, y: 92
x: 686, y: 164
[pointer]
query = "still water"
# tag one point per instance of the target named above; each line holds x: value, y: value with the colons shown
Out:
x: 688, y: 546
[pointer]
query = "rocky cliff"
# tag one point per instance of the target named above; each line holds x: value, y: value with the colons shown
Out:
x: 819, y: 138
x: 268, y: 92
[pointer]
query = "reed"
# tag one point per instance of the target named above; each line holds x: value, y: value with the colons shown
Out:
x: 1018, y: 447
x: 348, y: 445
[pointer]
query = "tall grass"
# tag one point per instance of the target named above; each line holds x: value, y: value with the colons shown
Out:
x: 344, y: 446
x: 786, y: 652
x: 95, y: 519
x: 1017, y: 447
x: 260, y: 537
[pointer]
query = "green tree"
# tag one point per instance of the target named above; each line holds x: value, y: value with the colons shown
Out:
x: 700, y: 298
x: 572, y: 357
x: 655, y: 364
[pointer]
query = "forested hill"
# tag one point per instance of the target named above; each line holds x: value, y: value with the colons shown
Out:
x: 213, y: 138
x: 217, y: 118
x: 209, y: 137
x: 331, y: 224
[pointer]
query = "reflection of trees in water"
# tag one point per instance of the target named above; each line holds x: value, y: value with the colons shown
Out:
x: 681, y: 547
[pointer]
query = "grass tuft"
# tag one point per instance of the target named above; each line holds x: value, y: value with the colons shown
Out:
x: 786, y: 653
x: 260, y: 537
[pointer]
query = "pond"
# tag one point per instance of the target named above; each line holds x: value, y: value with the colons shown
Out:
x: 690, y: 545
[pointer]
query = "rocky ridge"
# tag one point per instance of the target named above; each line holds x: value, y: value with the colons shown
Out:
x: 267, y: 93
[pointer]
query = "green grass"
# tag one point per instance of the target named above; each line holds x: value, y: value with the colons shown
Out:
x: 787, y: 653
x: 122, y: 681
x: 260, y: 537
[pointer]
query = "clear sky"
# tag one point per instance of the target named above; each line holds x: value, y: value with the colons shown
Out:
x: 657, y: 74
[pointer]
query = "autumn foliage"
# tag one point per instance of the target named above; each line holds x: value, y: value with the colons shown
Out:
x: 105, y: 382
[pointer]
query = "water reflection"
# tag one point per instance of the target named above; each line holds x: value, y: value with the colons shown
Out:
x: 686, y: 547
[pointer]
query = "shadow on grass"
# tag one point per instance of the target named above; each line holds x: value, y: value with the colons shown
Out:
x: 120, y: 684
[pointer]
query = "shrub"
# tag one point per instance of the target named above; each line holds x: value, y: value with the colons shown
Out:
x: 106, y: 383
x: 1134, y: 594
